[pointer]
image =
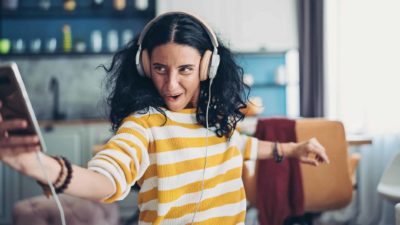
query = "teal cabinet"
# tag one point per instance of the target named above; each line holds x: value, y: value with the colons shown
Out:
x: 3, y: 206
x: 262, y: 67
x: 97, y: 134
x: 7, y: 194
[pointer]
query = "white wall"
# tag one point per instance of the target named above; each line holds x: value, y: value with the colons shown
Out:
x: 245, y: 25
x: 362, y: 62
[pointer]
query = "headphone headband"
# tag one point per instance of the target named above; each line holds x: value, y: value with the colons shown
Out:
x: 208, y: 29
x: 209, y: 62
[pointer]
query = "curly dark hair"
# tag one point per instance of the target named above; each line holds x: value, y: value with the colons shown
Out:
x: 130, y: 92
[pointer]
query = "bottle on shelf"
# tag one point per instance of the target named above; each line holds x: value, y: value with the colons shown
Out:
x: 119, y: 4
x: 127, y: 36
x: 36, y: 45
x: 96, y: 41
x: 97, y: 3
x: 45, y: 4
x: 112, y: 40
x: 18, y: 46
x: 141, y: 4
x: 80, y: 45
x: 51, y: 45
x: 5, y: 46
x: 67, y: 38
x: 69, y: 5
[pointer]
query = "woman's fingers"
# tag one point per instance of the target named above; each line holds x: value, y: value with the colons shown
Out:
x: 312, y: 152
x: 19, y: 149
x: 8, y: 154
x: 14, y: 124
x: 319, y: 150
x: 309, y: 161
x: 14, y: 141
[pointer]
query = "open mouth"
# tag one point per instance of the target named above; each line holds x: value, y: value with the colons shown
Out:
x: 173, y: 97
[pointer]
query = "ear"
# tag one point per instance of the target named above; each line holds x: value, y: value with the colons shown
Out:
x: 204, y: 65
x: 145, y: 58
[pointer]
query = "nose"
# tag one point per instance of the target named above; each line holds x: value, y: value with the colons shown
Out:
x: 172, y: 81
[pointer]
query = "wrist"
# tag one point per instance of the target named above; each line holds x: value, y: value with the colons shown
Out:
x: 288, y: 149
x: 63, y: 178
x: 50, y: 165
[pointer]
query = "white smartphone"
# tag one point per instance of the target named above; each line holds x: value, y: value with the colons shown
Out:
x: 16, y: 103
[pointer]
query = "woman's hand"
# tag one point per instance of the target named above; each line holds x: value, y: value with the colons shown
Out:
x: 309, y: 152
x: 17, y: 151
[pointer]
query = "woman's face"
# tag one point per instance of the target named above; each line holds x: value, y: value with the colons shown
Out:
x: 175, y: 73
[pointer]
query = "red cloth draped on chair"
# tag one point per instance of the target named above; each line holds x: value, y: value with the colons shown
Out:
x: 279, y: 185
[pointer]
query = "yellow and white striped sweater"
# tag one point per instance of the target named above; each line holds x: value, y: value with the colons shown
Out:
x: 166, y: 158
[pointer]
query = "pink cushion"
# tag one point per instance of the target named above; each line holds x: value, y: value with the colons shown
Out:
x: 43, y: 211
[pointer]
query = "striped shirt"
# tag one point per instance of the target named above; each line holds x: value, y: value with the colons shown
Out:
x: 166, y: 158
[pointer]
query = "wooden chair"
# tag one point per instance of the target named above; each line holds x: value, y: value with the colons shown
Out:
x: 326, y: 187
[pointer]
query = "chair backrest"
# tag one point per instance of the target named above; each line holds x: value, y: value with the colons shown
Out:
x: 327, y: 186
x: 389, y: 185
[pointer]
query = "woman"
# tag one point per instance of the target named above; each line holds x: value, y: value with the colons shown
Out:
x: 183, y: 82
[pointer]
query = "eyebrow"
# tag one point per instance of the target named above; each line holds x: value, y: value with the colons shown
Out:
x: 158, y: 64
x: 185, y: 65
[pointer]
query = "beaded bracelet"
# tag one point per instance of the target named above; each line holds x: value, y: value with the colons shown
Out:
x: 278, y: 158
x: 61, y: 174
x: 45, y: 186
x: 67, y: 180
x: 62, y: 180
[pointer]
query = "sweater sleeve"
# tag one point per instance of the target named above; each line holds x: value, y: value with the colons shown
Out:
x: 124, y: 158
x: 247, y: 145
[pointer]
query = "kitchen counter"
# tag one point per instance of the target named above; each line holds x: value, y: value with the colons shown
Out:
x: 46, y: 123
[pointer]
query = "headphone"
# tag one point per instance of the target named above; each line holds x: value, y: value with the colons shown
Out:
x: 209, y: 61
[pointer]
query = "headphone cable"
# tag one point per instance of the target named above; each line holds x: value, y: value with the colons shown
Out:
x: 53, y: 192
x: 206, y: 154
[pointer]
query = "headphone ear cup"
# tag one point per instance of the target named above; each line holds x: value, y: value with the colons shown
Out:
x: 145, y: 59
x: 204, y: 65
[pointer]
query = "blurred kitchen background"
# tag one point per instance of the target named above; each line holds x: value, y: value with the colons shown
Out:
x: 335, y: 59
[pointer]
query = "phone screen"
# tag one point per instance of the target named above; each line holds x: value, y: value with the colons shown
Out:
x: 14, y: 105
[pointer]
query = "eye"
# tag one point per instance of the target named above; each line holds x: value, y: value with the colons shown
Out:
x: 186, y: 70
x: 160, y: 69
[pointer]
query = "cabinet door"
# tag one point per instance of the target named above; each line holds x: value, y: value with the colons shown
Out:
x: 3, y: 188
x: 7, y: 195
x: 97, y: 135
